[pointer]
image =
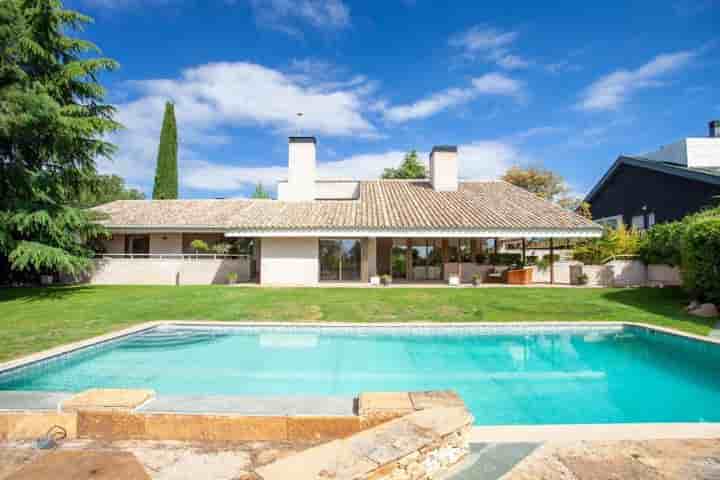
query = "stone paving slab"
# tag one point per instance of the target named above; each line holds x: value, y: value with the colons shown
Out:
x: 81, y: 465
x: 252, y: 405
x: 20, y: 400
x: 490, y: 461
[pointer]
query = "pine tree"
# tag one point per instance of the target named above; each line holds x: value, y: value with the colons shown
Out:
x: 166, y: 173
x: 409, y: 168
x: 52, y: 124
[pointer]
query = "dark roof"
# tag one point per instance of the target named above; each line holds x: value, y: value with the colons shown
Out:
x: 709, y: 175
x: 382, y: 205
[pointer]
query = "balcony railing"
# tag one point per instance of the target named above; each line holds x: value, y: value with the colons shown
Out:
x: 174, y: 256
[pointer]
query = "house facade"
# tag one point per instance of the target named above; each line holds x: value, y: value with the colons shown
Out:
x: 661, y: 186
x: 332, y: 230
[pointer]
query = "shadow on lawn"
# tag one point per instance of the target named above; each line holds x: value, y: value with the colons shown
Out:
x: 666, y: 302
x: 34, y: 294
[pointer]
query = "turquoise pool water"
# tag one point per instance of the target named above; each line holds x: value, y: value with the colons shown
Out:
x: 506, y: 375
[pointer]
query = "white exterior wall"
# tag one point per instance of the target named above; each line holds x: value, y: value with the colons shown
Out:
x: 166, y: 243
x: 325, y: 190
x: 290, y: 261
x: 703, y: 152
x: 692, y: 152
x: 444, y: 171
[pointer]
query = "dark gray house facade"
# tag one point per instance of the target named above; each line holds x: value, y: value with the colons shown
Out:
x: 666, y: 185
x: 640, y: 192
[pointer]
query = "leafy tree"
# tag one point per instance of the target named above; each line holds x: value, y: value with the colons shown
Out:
x: 577, y: 205
x: 540, y: 181
x: 620, y: 241
x: 410, y: 167
x: 52, y: 124
x: 166, y: 171
x: 260, y: 191
x: 105, y: 189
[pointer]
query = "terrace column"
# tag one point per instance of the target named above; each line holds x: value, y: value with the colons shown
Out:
x: 371, y: 257
x: 408, y: 260
x: 524, y: 252
x: 445, y: 255
x: 552, y: 262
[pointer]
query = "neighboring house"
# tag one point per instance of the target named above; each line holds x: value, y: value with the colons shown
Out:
x: 331, y: 230
x: 660, y: 186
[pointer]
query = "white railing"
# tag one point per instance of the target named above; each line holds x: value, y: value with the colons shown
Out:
x: 174, y: 256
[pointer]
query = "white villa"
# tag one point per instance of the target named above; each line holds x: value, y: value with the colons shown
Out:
x: 322, y: 230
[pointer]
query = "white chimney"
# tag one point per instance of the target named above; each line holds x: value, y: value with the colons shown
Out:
x: 444, y: 168
x: 714, y: 129
x: 302, y: 167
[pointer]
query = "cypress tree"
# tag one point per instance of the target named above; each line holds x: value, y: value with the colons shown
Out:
x: 166, y: 173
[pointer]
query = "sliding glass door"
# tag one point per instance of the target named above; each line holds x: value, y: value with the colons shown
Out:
x: 340, y: 260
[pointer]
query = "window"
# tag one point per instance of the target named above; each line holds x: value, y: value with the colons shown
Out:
x: 610, y: 222
x: 638, y: 222
x: 340, y: 259
x: 651, y: 219
x: 461, y: 247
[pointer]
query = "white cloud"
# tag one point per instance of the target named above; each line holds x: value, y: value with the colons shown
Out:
x: 486, y: 159
x: 491, y: 44
x: 489, y: 84
x: 613, y: 90
x: 284, y: 15
x: 213, y: 97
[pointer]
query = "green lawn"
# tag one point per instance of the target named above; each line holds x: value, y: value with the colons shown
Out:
x: 36, y: 319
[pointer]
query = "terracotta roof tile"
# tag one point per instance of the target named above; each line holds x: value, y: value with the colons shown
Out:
x: 382, y: 205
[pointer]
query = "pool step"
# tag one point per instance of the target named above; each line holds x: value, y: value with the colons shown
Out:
x: 295, y: 405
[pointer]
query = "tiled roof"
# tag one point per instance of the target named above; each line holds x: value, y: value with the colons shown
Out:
x: 382, y: 205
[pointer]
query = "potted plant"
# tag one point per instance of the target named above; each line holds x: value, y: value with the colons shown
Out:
x: 232, y: 278
x: 199, y: 246
x: 386, y: 280
x: 477, y: 279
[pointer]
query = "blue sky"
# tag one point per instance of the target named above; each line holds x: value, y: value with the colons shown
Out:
x: 568, y: 87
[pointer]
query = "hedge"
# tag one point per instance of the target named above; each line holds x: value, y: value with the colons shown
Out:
x: 701, y: 259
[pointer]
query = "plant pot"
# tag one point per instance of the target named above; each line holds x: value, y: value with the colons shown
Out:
x: 375, y: 280
x: 454, y: 280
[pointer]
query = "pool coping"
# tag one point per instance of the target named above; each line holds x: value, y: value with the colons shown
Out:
x: 479, y: 433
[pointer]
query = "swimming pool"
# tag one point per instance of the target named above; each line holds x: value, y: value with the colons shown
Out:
x: 507, y: 375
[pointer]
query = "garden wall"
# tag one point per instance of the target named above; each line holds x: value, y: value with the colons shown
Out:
x: 150, y: 271
x: 630, y: 273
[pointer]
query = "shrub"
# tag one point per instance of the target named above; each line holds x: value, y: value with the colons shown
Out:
x: 232, y: 277
x: 386, y: 280
x: 701, y: 259
x: 662, y: 244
